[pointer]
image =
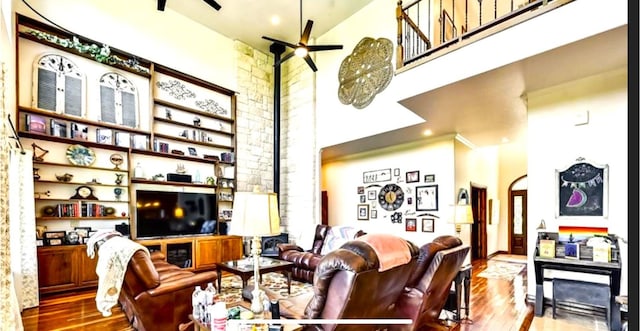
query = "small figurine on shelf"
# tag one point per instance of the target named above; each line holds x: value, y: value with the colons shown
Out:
x: 118, y: 193
x: 119, y: 179
x: 138, y: 172
x: 196, y: 121
x: 36, y: 175
x: 181, y: 169
x: 38, y: 157
x: 167, y: 113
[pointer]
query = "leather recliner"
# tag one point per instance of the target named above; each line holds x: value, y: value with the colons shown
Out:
x: 156, y: 295
x: 306, y: 261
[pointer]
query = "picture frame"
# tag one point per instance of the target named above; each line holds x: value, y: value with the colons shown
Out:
x: 363, y: 212
x: 54, y: 241
x: 547, y: 248
x: 396, y: 172
x: 360, y: 189
x: 192, y: 151
x: 427, y: 198
x: 54, y: 234
x: 371, y: 195
x: 39, y: 242
x: 363, y: 198
x: 428, y: 224
x: 572, y: 251
x: 83, y: 231
x: 413, y: 176
x: 582, y: 190
x: 410, y: 225
x: 429, y: 178
x: 374, y: 213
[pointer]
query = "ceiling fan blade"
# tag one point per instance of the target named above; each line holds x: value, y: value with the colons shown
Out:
x: 161, y: 4
x: 213, y: 4
x: 304, y: 38
x: 286, y: 57
x: 283, y: 43
x: 310, y: 63
x: 315, y: 48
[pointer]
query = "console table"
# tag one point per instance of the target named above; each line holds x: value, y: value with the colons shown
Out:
x: 611, y: 269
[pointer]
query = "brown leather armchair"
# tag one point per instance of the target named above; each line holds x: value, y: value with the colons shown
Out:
x: 306, y: 261
x: 156, y: 295
x: 362, y: 279
x: 429, y: 286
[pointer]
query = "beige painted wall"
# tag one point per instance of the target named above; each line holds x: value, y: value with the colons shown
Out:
x: 555, y: 142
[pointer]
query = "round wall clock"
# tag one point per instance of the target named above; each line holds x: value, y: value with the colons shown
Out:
x: 391, y: 197
x: 84, y: 192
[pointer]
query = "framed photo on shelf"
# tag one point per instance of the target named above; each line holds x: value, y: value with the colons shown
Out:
x: 79, y: 131
x: 36, y: 123
x: 58, y: 128
x: 427, y: 198
x: 104, y: 136
x: 413, y: 176
x: 83, y: 232
x: 572, y: 251
x: 363, y: 212
x: 428, y: 224
x: 54, y: 241
x: 192, y: 151
x: 54, y: 234
x: 547, y: 248
x: 410, y: 225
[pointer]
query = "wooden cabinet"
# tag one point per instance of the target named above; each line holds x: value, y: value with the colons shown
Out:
x: 63, y: 268
x: 197, y: 253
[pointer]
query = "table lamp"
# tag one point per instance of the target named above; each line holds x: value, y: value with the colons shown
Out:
x: 462, y: 215
x: 255, y: 214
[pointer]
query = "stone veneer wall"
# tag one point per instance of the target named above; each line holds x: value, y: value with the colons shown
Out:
x: 254, y: 136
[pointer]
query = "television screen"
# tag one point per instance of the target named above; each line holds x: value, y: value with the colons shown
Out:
x: 164, y: 214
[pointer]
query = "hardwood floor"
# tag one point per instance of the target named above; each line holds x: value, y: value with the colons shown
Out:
x: 495, y: 304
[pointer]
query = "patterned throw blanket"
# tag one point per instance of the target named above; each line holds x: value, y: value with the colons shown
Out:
x: 113, y: 256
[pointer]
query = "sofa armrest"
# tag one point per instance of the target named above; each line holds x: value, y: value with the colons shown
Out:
x: 157, y: 256
x: 189, y: 282
x: 282, y: 247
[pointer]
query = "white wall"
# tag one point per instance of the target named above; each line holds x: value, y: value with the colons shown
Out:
x: 341, y: 179
x: 555, y: 143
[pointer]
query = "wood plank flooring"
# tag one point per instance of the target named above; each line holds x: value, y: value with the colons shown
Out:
x: 496, y: 304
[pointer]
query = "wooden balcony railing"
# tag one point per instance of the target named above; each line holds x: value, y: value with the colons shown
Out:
x: 426, y: 27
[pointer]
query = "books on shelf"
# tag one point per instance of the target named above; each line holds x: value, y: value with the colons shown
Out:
x: 35, y: 123
x: 123, y: 139
x: 58, y: 128
x: 104, y: 136
x: 547, y: 248
x: 79, y: 131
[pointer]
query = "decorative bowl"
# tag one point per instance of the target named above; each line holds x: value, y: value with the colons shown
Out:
x: 64, y: 178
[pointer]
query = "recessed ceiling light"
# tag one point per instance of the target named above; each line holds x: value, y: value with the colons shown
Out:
x: 427, y: 132
x: 275, y: 20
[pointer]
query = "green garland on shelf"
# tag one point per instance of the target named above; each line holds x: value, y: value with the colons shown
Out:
x: 100, y: 54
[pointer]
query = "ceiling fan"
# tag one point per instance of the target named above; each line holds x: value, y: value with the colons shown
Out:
x: 302, y: 49
x: 212, y: 3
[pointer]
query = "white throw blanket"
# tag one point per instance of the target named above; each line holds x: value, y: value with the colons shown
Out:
x: 113, y: 256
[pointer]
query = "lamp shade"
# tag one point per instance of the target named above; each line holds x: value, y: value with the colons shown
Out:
x: 463, y: 214
x: 255, y: 214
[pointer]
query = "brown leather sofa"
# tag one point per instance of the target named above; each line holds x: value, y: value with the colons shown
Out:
x: 349, y: 283
x: 306, y: 261
x: 156, y: 295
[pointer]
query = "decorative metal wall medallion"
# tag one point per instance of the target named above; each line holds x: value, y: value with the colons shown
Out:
x: 176, y: 89
x: 212, y: 106
x: 366, y: 72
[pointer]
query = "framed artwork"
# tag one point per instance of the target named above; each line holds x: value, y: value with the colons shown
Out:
x: 371, y: 195
x: 427, y: 224
x: 374, y: 213
x: 413, y: 176
x: 429, y: 178
x: 363, y: 212
x: 54, y: 234
x: 427, y: 198
x: 192, y: 151
x: 360, y: 189
x: 363, y: 199
x: 582, y: 190
x: 83, y: 232
x: 410, y: 225
x: 396, y: 172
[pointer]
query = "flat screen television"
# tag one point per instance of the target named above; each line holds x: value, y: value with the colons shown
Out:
x: 162, y: 214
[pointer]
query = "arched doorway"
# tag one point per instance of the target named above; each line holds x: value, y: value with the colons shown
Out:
x: 518, y: 216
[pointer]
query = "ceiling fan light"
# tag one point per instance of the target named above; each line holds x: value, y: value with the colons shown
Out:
x: 301, y: 51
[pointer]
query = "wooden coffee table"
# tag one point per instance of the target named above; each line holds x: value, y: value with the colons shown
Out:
x: 244, y: 269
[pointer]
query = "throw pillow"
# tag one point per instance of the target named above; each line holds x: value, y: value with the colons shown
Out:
x: 336, y: 237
